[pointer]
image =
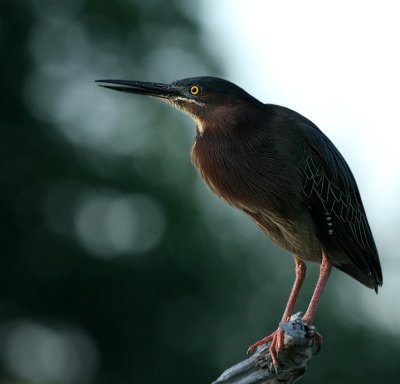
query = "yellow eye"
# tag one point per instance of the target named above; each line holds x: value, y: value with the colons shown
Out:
x: 194, y: 89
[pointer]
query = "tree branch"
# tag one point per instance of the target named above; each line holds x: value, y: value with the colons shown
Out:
x: 294, y: 358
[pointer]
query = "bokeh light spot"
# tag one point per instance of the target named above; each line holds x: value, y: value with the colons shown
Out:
x: 39, y: 353
x: 111, y: 225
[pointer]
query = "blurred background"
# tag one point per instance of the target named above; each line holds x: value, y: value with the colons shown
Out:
x: 117, y: 264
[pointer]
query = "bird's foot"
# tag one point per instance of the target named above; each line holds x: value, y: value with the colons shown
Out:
x: 317, y: 338
x: 318, y: 342
x: 276, y: 340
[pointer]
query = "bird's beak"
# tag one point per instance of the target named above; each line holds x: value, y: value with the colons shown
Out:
x: 141, y: 88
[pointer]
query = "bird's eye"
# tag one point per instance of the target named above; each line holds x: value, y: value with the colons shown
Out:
x: 194, y: 89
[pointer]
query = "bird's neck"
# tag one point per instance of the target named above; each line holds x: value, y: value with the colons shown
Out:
x: 224, y: 153
x: 224, y: 120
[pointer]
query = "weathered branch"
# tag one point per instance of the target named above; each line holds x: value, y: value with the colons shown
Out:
x: 294, y: 358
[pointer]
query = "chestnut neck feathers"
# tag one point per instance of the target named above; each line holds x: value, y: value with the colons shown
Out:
x: 236, y: 153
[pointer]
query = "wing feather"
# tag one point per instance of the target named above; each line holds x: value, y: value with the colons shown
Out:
x: 329, y: 188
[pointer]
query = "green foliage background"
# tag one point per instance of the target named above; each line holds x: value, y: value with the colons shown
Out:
x: 78, y: 305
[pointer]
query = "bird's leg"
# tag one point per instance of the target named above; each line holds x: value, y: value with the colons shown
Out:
x: 324, y: 271
x: 300, y: 271
x: 276, y: 338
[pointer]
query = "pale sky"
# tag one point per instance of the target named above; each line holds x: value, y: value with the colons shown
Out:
x: 337, y: 63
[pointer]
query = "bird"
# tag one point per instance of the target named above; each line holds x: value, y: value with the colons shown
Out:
x: 280, y: 169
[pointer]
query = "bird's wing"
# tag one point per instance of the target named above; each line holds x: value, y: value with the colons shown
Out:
x: 331, y: 192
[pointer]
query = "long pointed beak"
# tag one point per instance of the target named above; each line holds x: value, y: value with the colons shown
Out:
x: 141, y: 88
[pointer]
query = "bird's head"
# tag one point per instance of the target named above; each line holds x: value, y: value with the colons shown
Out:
x: 210, y: 101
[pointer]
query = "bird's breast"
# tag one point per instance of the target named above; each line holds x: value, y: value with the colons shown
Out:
x: 220, y: 168
x: 256, y: 180
x: 241, y: 174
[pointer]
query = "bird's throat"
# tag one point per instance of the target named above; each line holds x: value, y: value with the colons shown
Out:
x: 190, y: 107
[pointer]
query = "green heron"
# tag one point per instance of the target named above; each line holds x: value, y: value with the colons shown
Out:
x: 276, y: 166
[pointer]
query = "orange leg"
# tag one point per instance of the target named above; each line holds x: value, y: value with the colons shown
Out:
x: 324, y: 272
x: 276, y: 337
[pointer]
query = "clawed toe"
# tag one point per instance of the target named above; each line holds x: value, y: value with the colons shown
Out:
x: 276, y: 340
x: 318, y: 342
